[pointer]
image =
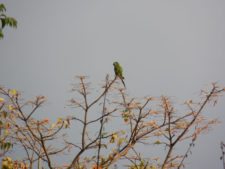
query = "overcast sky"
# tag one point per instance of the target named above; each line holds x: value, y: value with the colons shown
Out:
x: 167, y: 47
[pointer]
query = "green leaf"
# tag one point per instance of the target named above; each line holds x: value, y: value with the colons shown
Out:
x: 6, y: 146
x: 2, y: 8
x: 10, y: 22
x: 1, y: 34
x: 3, y: 22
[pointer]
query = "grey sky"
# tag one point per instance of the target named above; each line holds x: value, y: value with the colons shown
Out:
x: 169, y: 47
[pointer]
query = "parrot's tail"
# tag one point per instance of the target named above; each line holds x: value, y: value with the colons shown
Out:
x: 123, y: 82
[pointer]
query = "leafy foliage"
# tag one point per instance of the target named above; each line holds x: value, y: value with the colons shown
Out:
x: 6, y: 20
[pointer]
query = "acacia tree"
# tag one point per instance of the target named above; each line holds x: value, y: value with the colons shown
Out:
x: 152, y: 122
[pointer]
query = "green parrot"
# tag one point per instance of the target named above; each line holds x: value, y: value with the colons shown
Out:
x: 119, y: 71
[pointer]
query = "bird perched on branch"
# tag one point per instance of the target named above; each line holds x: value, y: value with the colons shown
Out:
x: 119, y: 72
